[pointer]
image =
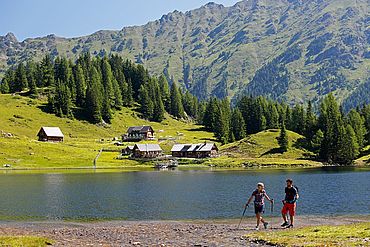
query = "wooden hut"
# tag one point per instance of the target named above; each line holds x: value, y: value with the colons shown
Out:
x: 147, y: 151
x: 201, y: 150
x: 50, y: 134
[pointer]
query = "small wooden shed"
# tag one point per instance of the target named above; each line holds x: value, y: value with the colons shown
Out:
x: 50, y: 134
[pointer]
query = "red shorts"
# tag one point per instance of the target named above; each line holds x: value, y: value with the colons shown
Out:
x: 289, y: 207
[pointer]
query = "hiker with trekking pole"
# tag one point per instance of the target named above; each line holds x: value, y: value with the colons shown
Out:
x: 259, y: 204
x: 290, y: 203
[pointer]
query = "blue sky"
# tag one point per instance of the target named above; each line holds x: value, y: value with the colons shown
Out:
x: 71, y: 18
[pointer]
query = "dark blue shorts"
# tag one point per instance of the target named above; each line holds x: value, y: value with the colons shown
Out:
x: 259, y: 209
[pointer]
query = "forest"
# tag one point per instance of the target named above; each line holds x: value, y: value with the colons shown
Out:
x: 93, y: 88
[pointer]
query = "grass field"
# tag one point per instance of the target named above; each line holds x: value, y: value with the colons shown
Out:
x: 21, y: 241
x: 344, y: 235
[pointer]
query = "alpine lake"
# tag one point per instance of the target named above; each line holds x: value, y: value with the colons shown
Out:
x: 180, y: 194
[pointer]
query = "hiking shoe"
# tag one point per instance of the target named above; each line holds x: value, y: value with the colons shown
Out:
x: 265, y: 225
x: 290, y: 226
x: 257, y: 228
x: 285, y: 224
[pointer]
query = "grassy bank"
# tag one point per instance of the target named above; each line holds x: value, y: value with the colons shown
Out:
x: 344, y: 235
x: 21, y: 241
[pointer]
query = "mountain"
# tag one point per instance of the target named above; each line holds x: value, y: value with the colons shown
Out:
x: 290, y: 50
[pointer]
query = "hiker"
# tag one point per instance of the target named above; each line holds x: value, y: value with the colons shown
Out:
x: 259, y: 204
x: 291, y: 196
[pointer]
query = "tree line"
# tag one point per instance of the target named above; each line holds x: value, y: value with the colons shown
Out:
x: 332, y: 135
x: 98, y: 87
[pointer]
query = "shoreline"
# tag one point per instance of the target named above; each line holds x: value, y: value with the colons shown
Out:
x: 160, y: 233
x: 182, y: 167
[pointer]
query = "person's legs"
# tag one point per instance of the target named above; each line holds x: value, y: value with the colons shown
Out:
x: 292, y: 213
x: 258, y: 216
x: 284, y: 213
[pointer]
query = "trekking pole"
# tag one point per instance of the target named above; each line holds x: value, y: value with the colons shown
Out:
x: 245, y: 209
x: 272, y: 206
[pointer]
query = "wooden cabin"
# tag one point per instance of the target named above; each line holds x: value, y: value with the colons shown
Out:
x: 201, y: 150
x: 147, y: 151
x: 138, y: 133
x: 50, y: 134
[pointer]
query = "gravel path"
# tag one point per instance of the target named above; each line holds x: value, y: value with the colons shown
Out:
x: 157, y: 233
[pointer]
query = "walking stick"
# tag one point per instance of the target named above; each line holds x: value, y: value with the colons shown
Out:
x: 245, y: 209
x: 272, y: 206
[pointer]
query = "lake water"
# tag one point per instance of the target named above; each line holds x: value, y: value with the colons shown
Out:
x: 179, y: 194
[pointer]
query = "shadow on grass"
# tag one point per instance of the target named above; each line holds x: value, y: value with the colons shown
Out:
x: 78, y: 113
x: 272, y: 151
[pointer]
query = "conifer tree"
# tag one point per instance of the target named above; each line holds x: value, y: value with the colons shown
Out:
x: 165, y: 90
x: 331, y: 123
x: 316, y: 141
x: 283, y: 140
x: 237, y: 125
x: 31, y: 78
x: 176, y: 109
x: 357, y: 122
x: 20, y: 80
x: 81, y: 86
x: 158, y: 111
x: 365, y: 112
x: 4, y: 86
x: 93, y: 97
x: 349, y: 148
x: 146, y: 103
x: 310, y: 125
x: 47, y: 72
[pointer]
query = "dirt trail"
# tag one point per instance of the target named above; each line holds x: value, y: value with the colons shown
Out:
x: 157, y: 233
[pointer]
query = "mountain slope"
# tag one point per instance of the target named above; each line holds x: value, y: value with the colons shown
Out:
x: 291, y: 50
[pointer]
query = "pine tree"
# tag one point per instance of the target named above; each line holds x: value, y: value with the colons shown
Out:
x: 358, y: 124
x: 93, y: 97
x: 146, y: 103
x: 81, y: 86
x: 128, y: 96
x: 158, y: 111
x: 20, y: 78
x: 62, y: 100
x: 209, y: 117
x: 176, y: 107
x: 331, y: 123
x: 365, y: 112
x: 117, y: 102
x: 31, y: 78
x: 47, y: 70
x: 237, y: 125
x: 221, y: 126
x: 349, y: 148
x: 298, y: 119
x: 165, y: 90
x: 310, y: 125
x: 272, y: 122
x: 283, y: 140
x: 4, y: 86
x: 316, y: 141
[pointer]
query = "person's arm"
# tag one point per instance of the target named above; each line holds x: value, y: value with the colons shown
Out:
x: 268, y: 198
x: 249, y: 200
x: 296, y: 194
